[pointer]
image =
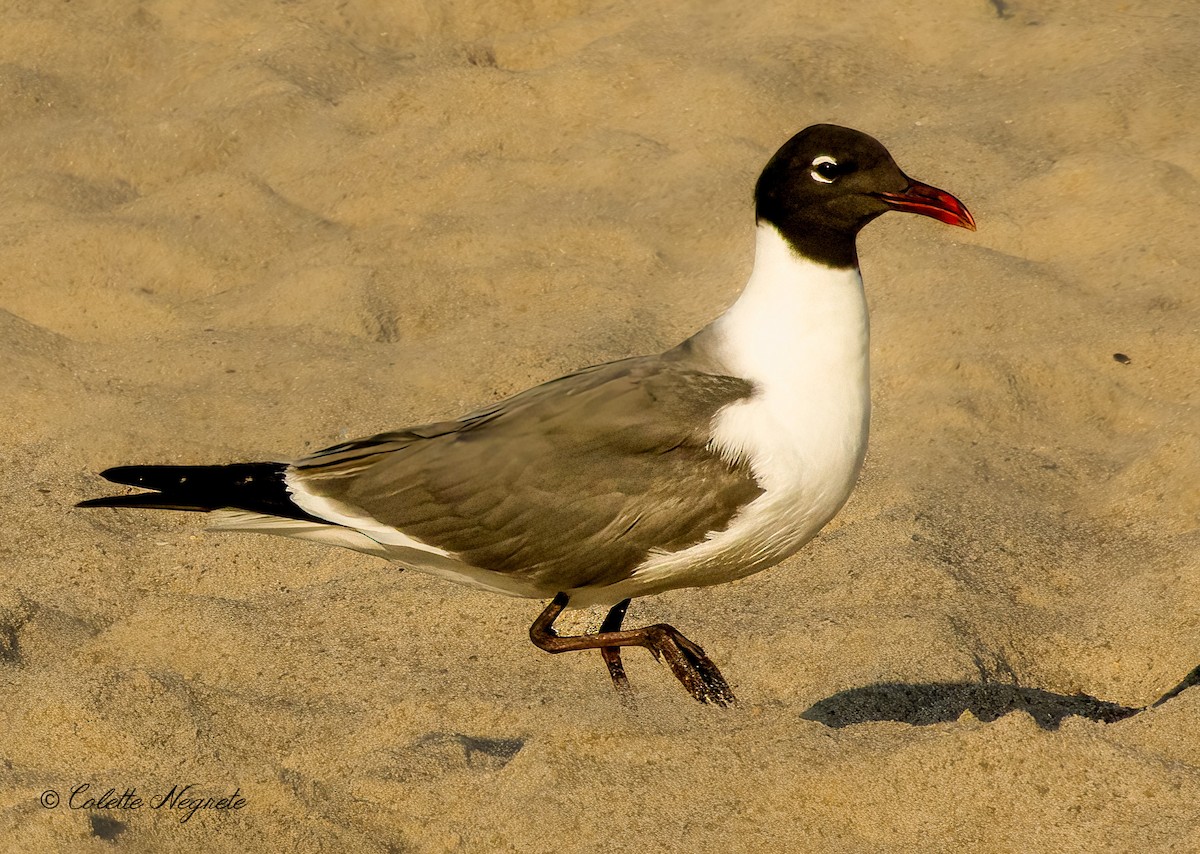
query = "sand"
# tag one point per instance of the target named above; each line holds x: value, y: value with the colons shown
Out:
x: 240, y: 231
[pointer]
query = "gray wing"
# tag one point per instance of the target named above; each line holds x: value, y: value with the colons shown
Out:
x: 568, y: 484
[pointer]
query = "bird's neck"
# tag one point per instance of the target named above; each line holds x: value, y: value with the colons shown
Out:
x: 797, y: 323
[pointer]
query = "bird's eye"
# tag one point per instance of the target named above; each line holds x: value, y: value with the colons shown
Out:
x: 826, y: 169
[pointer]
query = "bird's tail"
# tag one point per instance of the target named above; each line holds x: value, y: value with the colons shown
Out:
x: 254, y: 487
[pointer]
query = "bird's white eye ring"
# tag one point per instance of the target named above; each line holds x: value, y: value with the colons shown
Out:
x: 826, y: 175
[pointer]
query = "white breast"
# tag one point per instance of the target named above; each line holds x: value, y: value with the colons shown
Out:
x: 799, y: 332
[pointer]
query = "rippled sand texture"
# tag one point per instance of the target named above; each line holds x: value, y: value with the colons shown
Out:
x: 237, y: 231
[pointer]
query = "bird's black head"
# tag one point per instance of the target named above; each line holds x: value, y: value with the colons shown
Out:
x: 827, y: 182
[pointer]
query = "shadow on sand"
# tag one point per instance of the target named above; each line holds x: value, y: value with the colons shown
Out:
x: 940, y: 702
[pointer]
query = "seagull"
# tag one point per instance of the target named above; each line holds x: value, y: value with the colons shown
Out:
x: 711, y: 461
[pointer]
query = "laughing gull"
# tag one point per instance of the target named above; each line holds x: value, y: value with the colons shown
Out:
x: 704, y: 464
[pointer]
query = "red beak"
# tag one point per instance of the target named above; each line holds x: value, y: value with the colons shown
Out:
x: 923, y: 199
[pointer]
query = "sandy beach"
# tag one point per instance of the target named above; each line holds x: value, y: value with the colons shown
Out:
x: 246, y: 231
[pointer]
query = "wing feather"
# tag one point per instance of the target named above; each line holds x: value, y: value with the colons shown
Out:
x: 571, y: 483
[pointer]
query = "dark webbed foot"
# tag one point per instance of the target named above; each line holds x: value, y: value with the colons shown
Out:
x: 690, y: 665
x: 686, y: 659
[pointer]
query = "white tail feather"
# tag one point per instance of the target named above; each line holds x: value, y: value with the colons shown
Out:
x: 298, y: 529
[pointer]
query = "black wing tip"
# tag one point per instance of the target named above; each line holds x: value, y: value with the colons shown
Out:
x: 255, y: 487
x: 165, y: 480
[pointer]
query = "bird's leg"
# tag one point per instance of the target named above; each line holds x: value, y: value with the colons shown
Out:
x: 687, y: 661
x: 612, y: 654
